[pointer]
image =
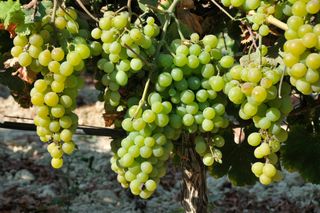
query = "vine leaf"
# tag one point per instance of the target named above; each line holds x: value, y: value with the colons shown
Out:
x: 25, y: 75
x: 236, y: 162
x: 301, y: 152
x: 10, y: 12
x: 191, y: 20
x: 19, y: 89
x: 110, y: 117
x: 143, y: 4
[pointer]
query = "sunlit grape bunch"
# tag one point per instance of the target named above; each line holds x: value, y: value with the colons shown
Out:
x: 125, y: 46
x: 54, y: 95
x: 255, y: 87
x: 301, y: 50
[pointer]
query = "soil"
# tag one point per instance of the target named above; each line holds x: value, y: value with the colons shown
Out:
x: 87, y: 184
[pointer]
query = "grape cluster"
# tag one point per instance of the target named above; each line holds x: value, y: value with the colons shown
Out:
x: 258, y: 18
x: 190, y: 80
x: 256, y: 89
x: 54, y: 96
x: 125, y: 45
x: 185, y: 99
x: 301, y: 50
x: 143, y: 154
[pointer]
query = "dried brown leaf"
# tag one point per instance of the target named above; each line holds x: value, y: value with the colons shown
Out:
x: 190, y: 19
x: 109, y: 118
x: 11, y: 62
x: 186, y: 4
x: 25, y: 75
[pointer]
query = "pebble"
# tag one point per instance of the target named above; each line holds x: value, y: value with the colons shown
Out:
x: 46, y: 191
x: 24, y: 176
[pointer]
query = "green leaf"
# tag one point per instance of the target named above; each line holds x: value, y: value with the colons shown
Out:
x: 236, y: 161
x: 144, y: 7
x: 13, y: 82
x: 301, y: 153
x: 24, y: 29
x: 10, y: 12
x: 172, y: 32
x: 42, y: 10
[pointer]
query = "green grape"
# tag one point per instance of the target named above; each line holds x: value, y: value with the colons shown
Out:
x: 180, y: 60
x: 269, y: 170
x: 216, y: 83
x: 313, y: 61
x: 165, y: 79
x: 257, y: 168
x: 146, y: 167
x: 250, y: 109
x: 66, y: 101
x: 254, y: 139
x: 45, y: 58
x: 264, y: 30
x: 209, y: 113
x: 210, y: 40
x: 187, y: 96
x: 195, y: 49
x: 20, y: 40
x: 56, y: 163
x: 57, y: 111
x: 51, y: 99
x: 226, y: 61
x: 24, y: 59
x: 313, y: 7
x: 57, y: 54
x: 235, y: 95
x: 207, y: 71
x: 136, y: 64
x: 36, y: 40
x: 299, y: 9
x: 120, y: 21
x: 16, y: 51
x: 151, y: 185
x: 66, y: 68
x: 96, y: 33
x: 207, y: 125
x: 83, y: 50
x: 208, y: 159
x: 177, y: 74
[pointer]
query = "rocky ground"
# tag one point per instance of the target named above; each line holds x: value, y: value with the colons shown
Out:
x: 87, y: 184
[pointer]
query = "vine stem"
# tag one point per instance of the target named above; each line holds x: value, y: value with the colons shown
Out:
x: 223, y: 10
x: 86, y: 10
x: 54, y: 10
x: 281, y: 81
x: 139, y: 56
x: 260, y: 50
x: 179, y: 27
x: 162, y: 40
x: 276, y: 22
x: 129, y: 8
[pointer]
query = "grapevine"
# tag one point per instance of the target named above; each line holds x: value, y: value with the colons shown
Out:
x: 162, y: 83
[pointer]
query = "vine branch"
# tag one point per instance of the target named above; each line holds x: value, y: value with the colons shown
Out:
x: 276, y: 22
x: 86, y: 10
x: 54, y: 10
x: 223, y: 10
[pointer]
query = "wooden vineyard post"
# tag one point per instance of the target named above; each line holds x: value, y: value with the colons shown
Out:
x: 194, y: 185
